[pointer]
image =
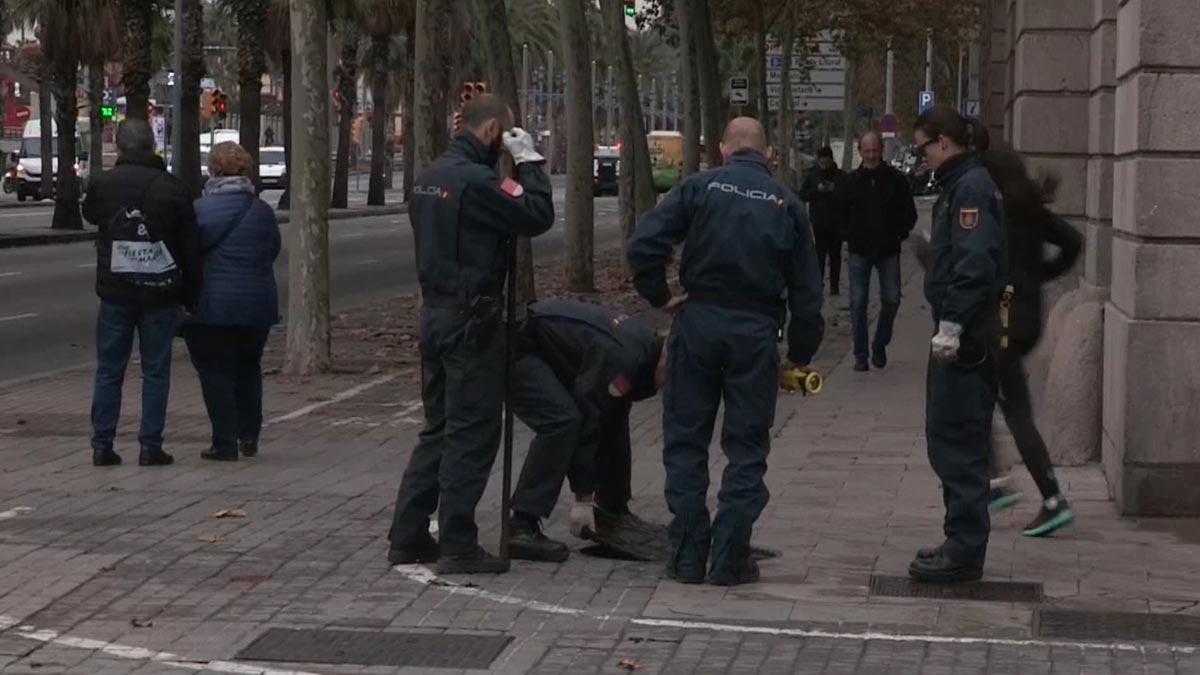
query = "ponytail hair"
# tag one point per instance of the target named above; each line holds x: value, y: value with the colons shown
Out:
x: 942, y: 120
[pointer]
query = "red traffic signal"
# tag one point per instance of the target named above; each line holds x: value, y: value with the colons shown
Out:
x: 220, y: 104
x: 472, y: 90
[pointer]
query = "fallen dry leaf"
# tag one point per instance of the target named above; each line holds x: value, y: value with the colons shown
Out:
x: 230, y: 513
x: 209, y: 539
x: 141, y: 623
x: 629, y: 664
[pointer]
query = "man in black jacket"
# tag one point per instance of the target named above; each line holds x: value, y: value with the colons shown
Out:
x: 879, y: 215
x: 825, y: 213
x: 143, y: 280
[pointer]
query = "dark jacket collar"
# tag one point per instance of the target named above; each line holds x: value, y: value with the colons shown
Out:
x: 954, y: 167
x: 147, y: 159
x: 750, y: 157
x: 467, y: 145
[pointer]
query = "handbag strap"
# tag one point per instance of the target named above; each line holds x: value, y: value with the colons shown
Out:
x: 229, y: 230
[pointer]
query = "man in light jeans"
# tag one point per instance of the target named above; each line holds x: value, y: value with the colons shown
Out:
x: 880, y: 213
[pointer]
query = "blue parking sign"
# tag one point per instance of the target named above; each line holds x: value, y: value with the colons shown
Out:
x: 925, y: 101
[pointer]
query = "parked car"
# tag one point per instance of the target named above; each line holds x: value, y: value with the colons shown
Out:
x: 606, y: 169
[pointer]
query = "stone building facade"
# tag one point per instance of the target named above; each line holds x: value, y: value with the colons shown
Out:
x: 1107, y: 94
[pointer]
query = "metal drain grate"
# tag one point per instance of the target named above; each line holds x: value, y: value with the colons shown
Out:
x: 427, y: 650
x: 987, y: 591
x: 1131, y: 626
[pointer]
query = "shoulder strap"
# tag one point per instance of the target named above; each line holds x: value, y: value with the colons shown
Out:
x: 230, y: 228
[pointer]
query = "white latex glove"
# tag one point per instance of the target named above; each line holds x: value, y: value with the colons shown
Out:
x: 583, y: 516
x: 946, y: 342
x: 519, y: 144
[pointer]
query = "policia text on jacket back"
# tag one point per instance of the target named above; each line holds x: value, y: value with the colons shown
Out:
x: 746, y: 243
x: 463, y: 215
x: 966, y: 259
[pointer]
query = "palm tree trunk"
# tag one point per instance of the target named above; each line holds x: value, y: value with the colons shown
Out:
x: 407, y: 91
x: 252, y: 63
x: 137, y: 67
x: 285, y: 200
x: 637, y: 180
x: 502, y: 73
x: 46, y: 115
x: 376, y: 190
x: 95, y: 94
x: 66, y: 194
x: 690, y: 90
x: 347, y: 76
x: 188, y: 152
x: 308, y: 331
x: 432, y: 64
x: 580, y: 232
x: 710, y: 78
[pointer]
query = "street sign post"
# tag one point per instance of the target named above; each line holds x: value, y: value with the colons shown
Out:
x: 739, y: 91
x: 925, y: 101
x: 817, y: 75
x: 970, y: 108
x: 890, y: 125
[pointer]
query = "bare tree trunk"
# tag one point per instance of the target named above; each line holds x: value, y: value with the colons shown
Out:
x: 433, y: 62
x: 377, y: 189
x: 285, y: 200
x: 347, y: 84
x: 636, y: 172
x: 95, y: 95
x: 580, y: 200
x: 46, y: 115
x: 66, y: 194
x: 407, y: 92
x: 783, y: 143
x: 710, y: 79
x: 502, y: 73
x: 848, y: 133
x: 188, y: 152
x: 689, y: 89
x: 308, y: 335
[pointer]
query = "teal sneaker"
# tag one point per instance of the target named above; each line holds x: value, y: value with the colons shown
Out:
x: 1054, y: 515
x: 1003, y: 497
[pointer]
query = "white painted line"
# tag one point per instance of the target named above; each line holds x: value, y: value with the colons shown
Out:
x: 409, y: 409
x: 372, y: 261
x: 337, y: 398
x: 13, y: 513
x: 10, y: 274
x: 423, y: 575
x: 86, y: 266
x: 16, y: 317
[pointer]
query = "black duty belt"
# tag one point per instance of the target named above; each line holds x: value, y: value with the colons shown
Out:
x: 774, y: 310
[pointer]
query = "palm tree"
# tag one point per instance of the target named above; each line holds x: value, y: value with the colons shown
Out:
x: 534, y: 23
x: 278, y: 41
x: 188, y: 153
x: 138, y: 62
x: 95, y: 48
x: 251, y: 19
x: 346, y: 16
x: 580, y: 204
x: 385, y: 18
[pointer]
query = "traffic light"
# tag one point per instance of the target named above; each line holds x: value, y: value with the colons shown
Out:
x: 107, y: 113
x: 220, y: 104
x: 630, y: 8
x: 470, y: 90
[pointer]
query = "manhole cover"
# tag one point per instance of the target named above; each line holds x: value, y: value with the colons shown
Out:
x: 987, y: 591
x: 427, y: 650
x: 1131, y: 626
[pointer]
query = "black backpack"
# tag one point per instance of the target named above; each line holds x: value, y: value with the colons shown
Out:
x: 131, y: 248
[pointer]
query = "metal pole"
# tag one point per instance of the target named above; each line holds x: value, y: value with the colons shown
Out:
x: 889, y: 144
x: 959, y: 89
x: 928, y: 59
x: 653, y: 103
x: 526, y: 107
x: 973, y: 72
x: 608, y: 115
x: 640, y: 108
x: 550, y: 111
x: 176, y: 94
x: 592, y: 102
x: 510, y: 332
x: 675, y: 101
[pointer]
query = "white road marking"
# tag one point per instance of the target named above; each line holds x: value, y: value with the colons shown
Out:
x: 337, y: 398
x: 86, y: 266
x: 352, y: 235
x: 11, y: 274
x: 14, y: 512
x: 372, y: 261
x: 423, y: 575
x: 16, y: 317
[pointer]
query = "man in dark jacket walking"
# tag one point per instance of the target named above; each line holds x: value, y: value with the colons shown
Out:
x: 880, y: 213
x: 149, y: 265
x: 825, y: 213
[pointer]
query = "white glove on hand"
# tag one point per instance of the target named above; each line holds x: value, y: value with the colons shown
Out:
x: 583, y: 516
x: 946, y: 342
x: 519, y: 144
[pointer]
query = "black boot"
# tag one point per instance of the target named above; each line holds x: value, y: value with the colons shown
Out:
x: 248, y: 448
x: 423, y: 550
x: 155, y: 458
x: 105, y: 458
x: 942, y: 569
x: 215, y: 455
x: 528, y: 543
x: 744, y: 572
x: 478, y: 561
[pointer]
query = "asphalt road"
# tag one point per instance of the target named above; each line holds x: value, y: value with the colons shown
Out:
x: 48, y: 303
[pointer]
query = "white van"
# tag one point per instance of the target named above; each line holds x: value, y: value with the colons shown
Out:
x: 29, y: 159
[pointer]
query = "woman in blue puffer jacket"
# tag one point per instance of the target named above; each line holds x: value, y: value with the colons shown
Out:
x: 238, y: 304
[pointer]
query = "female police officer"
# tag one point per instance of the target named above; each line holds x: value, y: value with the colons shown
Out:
x: 967, y: 254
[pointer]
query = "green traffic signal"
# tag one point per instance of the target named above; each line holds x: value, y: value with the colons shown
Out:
x: 107, y: 112
x: 630, y: 10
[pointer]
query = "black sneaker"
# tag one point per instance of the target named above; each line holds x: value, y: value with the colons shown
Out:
x: 528, y: 543
x: 215, y: 456
x: 1054, y: 515
x: 478, y: 562
x: 248, y: 448
x: 941, y: 569
x: 685, y: 576
x: 155, y: 458
x: 879, y: 357
x: 745, y: 573
x: 105, y: 458
x: 860, y: 366
x: 1003, y: 497
x: 425, y: 550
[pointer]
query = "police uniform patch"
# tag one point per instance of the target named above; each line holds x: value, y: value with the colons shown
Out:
x: 512, y: 188
x: 968, y: 218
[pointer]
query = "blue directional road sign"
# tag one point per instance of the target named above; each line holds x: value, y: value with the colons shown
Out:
x: 925, y: 101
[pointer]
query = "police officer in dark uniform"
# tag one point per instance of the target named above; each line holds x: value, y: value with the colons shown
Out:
x: 746, y: 244
x: 580, y: 369
x: 967, y: 256
x: 463, y: 216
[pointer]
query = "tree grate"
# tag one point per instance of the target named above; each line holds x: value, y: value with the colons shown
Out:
x: 422, y: 650
x: 1107, y: 626
x: 986, y: 591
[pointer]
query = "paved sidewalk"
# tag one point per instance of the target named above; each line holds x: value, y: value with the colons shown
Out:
x: 127, y: 570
